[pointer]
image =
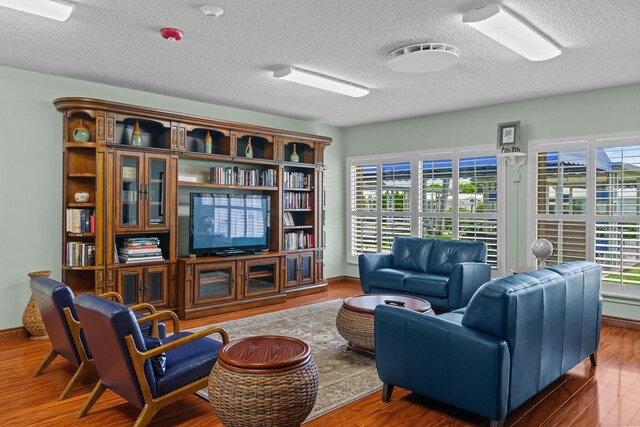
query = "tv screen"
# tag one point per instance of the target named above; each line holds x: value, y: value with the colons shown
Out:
x: 227, y: 222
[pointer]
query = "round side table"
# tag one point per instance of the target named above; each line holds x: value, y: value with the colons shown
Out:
x: 264, y: 381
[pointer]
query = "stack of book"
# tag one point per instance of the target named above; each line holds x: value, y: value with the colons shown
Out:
x: 80, y: 254
x: 80, y: 221
x: 140, y: 249
x: 287, y: 219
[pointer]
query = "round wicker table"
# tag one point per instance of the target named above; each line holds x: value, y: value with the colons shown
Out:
x: 264, y: 381
x: 355, y: 318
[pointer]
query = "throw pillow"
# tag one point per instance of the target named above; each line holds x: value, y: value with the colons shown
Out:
x: 159, y: 362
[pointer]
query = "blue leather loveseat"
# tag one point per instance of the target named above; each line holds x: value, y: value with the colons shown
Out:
x: 517, y: 335
x: 444, y: 272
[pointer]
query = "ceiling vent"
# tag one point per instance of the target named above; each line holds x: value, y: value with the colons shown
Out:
x: 423, y: 58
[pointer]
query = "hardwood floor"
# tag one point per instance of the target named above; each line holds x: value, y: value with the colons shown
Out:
x: 608, y: 394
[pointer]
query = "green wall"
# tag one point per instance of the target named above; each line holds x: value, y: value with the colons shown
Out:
x: 586, y: 113
x: 31, y: 173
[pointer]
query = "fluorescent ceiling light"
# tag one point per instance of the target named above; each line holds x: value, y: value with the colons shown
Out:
x: 320, y: 81
x: 495, y: 22
x: 53, y: 9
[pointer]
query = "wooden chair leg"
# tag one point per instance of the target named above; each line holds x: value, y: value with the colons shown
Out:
x: 387, y: 389
x: 45, y: 362
x: 594, y: 358
x: 93, y: 398
x: 148, y: 412
x: 81, y: 372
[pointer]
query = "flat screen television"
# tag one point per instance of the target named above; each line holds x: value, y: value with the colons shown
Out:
x: 222, y: 224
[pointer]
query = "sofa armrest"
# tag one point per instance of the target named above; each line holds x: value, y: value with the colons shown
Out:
x: 372, y: 261
x: 443, y: 360
x: 464, y: 281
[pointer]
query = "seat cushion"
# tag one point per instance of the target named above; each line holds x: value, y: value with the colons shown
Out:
x: 145, y: 328
x: 411, y: 253
x: 427, y: 284
x: 187, y: 363
x: 389, y: 278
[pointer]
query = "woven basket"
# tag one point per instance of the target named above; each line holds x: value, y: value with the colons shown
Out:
x: 356, y: 328
x: 31, y: 318
x: 282, y: 399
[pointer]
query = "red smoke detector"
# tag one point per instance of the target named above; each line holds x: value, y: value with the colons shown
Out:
x: 172, y: 34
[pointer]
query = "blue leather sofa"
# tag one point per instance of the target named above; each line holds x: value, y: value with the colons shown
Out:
x: 444, y: 272
x: 517, y: 335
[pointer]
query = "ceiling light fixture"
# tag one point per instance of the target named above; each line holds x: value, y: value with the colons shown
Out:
x: 213, y: 12
x: 497, y: 23
x: 52, y: 9
x: 423, y: 58
x: 320, y: 81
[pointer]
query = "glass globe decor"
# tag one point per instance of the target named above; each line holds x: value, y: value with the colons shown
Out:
x: 542, y: 249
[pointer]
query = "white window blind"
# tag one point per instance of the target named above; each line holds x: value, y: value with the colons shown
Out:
x: 588, y: 205
x: 416, y: 197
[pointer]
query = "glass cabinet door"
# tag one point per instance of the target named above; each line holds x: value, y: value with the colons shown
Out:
x: 261, y: 276
x: 129, y: 189
x: 155, y: 192
x: 306, y: 268
x: 214, y: 282
x: 155, y: 285
x: 292, y: 270
x: 128, y: 285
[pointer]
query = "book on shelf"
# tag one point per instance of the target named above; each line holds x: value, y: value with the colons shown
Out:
x: 242, y: 177
x: 80, y: 254
x: 287, y: 219
x: 140, y: 249
x: 80, y: 221
x: 187, y: 178
x: 297, y: 181
x: 297, y: 201
x: 297, y: 240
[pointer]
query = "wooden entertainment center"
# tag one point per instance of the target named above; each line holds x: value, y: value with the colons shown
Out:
x: 138, y: 205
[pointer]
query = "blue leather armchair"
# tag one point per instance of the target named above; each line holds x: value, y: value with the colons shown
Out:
x: 517, y: 335
x: 444, y: 272
x: 125, y: 360
x: 55, y: 302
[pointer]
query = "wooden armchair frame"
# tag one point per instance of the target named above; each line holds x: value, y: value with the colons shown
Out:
x: 153, y: 405
x: 86, y: 364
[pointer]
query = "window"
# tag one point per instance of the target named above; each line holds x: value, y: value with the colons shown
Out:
x: 414, y: 196
x: 588, y: 205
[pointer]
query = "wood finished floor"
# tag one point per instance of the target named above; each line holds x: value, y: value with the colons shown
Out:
x: 606, y: 395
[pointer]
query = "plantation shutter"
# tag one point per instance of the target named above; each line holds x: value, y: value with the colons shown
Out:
x: 436, y: 199
x: 396, y: 203
x: 364, y: 207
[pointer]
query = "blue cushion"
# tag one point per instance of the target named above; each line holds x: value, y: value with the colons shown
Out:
x: 452, y: 316
x: 187, y: 363
x: 159, y: 362
x: 145, y: 328
x: 411, y: 253
x: 389, y: 278
x: 446, y: 254
x: 427, y: 284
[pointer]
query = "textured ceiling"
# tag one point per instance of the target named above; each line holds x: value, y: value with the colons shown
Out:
x: 229, y: 61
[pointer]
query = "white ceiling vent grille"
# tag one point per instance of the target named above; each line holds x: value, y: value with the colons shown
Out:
x: 423, y: 58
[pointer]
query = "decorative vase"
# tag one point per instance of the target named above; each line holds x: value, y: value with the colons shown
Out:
x: 81, y: 133
x: 294, y: 155
x: 208, y: 143
x: 136, y: 136
x: 31, y: 318
x: 249, y: 151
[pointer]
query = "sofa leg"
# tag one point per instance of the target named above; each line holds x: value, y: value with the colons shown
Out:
x: 387, y: 389
x: 494, y: 423
x: 594, y: 358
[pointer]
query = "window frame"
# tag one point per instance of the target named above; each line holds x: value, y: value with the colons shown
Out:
x: 415, y: 158
x: 589, y: 143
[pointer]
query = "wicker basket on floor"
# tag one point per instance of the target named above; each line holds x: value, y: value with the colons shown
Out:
x: 31, y: 318
x: 276, y: 399
x: 356, y: 328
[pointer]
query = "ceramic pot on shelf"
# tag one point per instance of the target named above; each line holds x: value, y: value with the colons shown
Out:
x: 81, y: 133
x: 136, y: 136
x: 31, y: 318
x: 208, y: 143
x: 249, y: 150
x: 294, y: 155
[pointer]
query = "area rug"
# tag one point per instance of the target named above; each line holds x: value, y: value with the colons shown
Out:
x: 345, y: 376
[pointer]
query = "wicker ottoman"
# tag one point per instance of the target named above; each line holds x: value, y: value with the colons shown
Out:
x: 264, y: 381
x: 355, y: 318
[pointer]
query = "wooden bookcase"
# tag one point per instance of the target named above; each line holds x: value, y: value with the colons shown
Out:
x: 142, y: 192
